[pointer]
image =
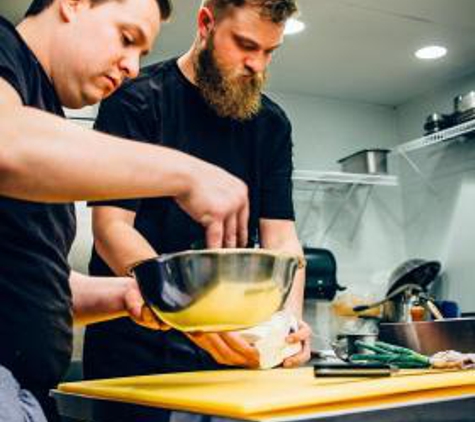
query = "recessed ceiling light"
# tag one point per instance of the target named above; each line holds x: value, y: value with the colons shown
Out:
x: 431, y: 52
x: 293, y: 26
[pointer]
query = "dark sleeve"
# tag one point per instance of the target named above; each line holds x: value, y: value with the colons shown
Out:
x: 276, y: 182
x: 11, y: 63
x: 127, y: 114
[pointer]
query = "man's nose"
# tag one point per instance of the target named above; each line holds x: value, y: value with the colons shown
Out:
x: 257, y: 62
x: 130, y: 65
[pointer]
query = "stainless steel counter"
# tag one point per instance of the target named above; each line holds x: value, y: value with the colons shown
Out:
x: 456, y: 409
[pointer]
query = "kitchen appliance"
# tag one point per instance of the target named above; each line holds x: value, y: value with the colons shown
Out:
x: 321, y: 286
x: 216, y: 290
x: 320, y: 274
x: 369, y: 161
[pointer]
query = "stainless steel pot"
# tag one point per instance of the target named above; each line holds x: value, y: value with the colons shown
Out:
x: 216, y: 290
x: 408, y: 281
x: 463, y: 103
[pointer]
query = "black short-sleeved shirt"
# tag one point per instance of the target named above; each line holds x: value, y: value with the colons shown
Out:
x: 35, y: 239
x: 163, y: 107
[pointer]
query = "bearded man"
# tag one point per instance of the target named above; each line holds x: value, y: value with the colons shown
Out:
x: 207, y: 103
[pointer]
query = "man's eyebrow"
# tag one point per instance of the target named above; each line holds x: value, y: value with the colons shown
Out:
x: 244, y: 39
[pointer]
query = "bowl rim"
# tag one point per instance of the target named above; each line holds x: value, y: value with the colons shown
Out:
x: 301, y: 262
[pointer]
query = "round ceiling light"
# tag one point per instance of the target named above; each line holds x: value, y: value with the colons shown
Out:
x: 431, y: 52
x: 293, y: 26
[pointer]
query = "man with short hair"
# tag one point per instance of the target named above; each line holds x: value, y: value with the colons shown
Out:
x: 72, y: 53
x: 209, y: 103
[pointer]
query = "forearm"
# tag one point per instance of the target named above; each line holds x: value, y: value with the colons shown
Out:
x: 280, y: 235
x: 98, y: 299
x: 46, y: 158
x: 120, y: 245
x: 294, y: 302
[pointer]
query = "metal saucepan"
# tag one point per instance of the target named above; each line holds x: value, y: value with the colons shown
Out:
x: 216, y: 290
x: 410, y: 278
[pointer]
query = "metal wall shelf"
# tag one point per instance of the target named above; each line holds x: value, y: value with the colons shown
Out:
x: 444, y: 135
x: 313, y: 181
x: 304, y: 179
x: 456, y: 133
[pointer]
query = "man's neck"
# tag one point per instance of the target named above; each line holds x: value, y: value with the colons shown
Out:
x: 35, y: 33
x: 186, y: 65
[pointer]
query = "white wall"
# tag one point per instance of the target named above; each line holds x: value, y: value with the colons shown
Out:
x: 367, y: 241
x: 439, y: 219
x: 326, y: 130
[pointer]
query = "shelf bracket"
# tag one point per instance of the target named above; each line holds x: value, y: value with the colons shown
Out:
x: 423, y: 177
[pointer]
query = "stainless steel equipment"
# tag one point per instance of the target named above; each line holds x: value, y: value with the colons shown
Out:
x: 436, y: 122
x: 360, y: 329
x: 407, y: 284
x: 216, y: 290
x: 429, y: 337
x: 370, y: 161
x: 464, y: 107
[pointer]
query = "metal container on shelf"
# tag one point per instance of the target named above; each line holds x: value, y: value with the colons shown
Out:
x: 368, y: 161
x: 464, y: 107
x: 437, y: 122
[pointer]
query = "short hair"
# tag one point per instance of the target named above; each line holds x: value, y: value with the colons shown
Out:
x: 37, y: 6
x: 278, y: 11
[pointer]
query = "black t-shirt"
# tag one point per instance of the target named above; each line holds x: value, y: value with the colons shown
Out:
x: 35, y: 239
x: 163, y: 107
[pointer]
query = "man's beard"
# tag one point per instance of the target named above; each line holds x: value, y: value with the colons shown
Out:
x: 230, y: 94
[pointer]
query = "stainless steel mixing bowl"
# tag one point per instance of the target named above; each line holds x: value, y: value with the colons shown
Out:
x: 216, y: 290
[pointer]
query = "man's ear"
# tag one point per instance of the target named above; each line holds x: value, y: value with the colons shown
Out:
x: 206, y: 22
x: 68, y: 9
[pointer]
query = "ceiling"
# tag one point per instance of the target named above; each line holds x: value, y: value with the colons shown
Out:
x: 355, y: 50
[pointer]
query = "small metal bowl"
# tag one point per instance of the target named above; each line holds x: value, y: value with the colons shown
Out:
x: 216, y: 290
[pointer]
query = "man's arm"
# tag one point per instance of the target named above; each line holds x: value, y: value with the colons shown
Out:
x: 46, y: 158
x: 281, y: 235
x: 116, y: 240
x: 98, y: 299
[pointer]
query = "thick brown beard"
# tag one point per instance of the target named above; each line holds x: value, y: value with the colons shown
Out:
x: 228, y: 95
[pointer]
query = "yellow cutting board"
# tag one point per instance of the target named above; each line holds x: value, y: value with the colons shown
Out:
x: 241, y: 393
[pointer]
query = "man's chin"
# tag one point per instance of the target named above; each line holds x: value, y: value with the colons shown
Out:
x: 94, y: 97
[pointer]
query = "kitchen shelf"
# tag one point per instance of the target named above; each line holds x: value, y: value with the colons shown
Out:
x: 313, y: 181
x: 455, y: 133
x: 304, y: 179
x: 444, y: 135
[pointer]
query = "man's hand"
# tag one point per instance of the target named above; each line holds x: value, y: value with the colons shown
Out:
x: 218, y: 201
x: 227, y: 348
x: 301, y: 336
x: 138, y: 311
